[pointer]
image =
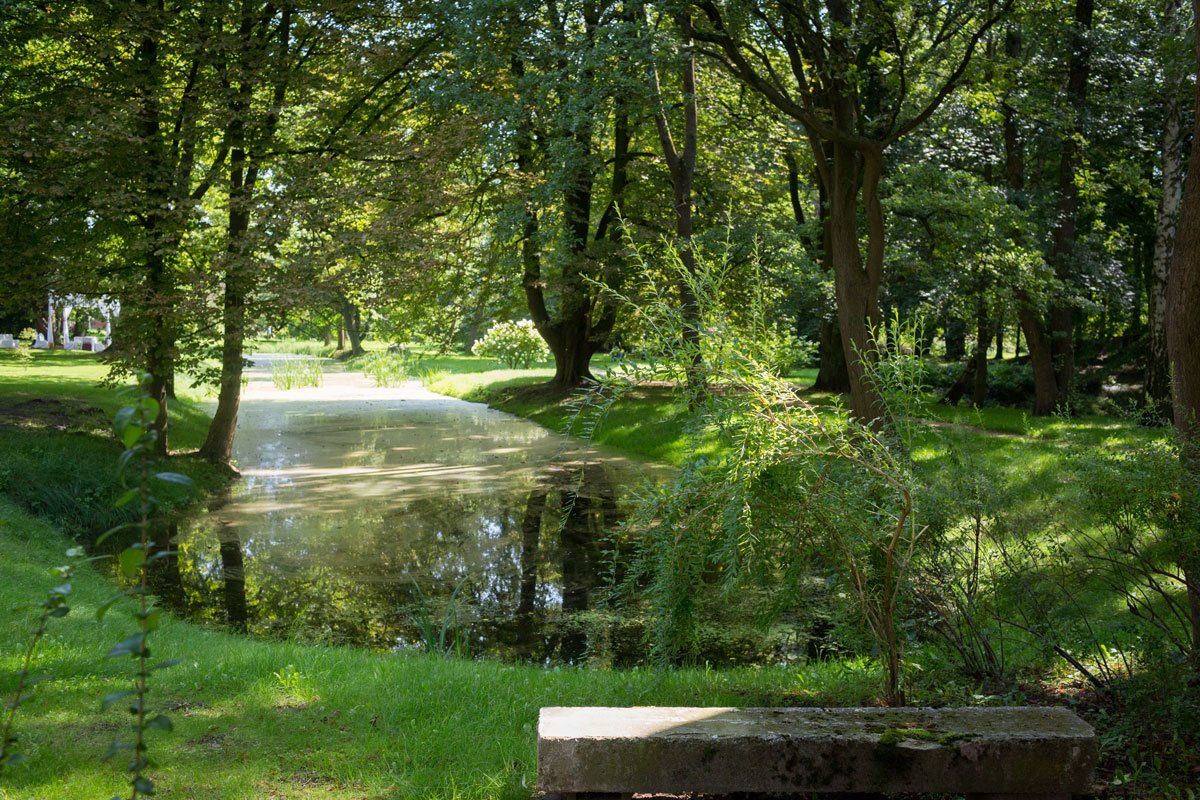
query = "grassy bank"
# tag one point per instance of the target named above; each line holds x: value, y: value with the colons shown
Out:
x: 653, y: 422
x: 57, y: 455
x: 268, y: 719
x: 286, y: 719
x: 272, y: 719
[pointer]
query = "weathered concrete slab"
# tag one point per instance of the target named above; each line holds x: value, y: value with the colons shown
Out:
x: 1003, y: 751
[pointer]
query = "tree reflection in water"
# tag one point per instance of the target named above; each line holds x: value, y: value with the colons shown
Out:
x: 507, y: 574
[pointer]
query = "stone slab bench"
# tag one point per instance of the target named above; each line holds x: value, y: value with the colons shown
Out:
x: 993, y: 753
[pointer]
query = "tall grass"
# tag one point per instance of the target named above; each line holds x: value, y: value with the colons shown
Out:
x: 297, y: 373
x: 387, y: 369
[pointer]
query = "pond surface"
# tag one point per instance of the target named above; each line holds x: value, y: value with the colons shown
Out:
x: 397, y: 518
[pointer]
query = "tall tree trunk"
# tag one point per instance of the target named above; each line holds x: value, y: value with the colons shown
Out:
x: 832, y: 373
x: 1062, y: 256
x: 158, y: 301
x: 983, y: 331
x: 998, y: 335
x: 856, y: 285
x: 1029, y: 316
x: 1158, y: 375
x: 352, y: 323
x: 955, y: 336
x: 243, y: 177
x: 218, y: 443
x: 1183, y: 334
x: 681, y: 165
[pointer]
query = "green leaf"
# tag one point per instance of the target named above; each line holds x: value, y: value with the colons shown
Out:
x: 151, y: 619
x: 124, y: 526
x: 106, y: 605
x: 60, y: 611
x: 115, y: 697
x: 131, y: 646
x: 173, y: 477
x: 131, y: 560
x: 62, y: 590
x: 160, y: 722
x: 149, y: 407
x: 122, y: 418
x: 114, y: 748
x: 12, y: 760
x: 172, y: 662
x: 126, y: 498
x: 143, y: 784
x: 130, y: 434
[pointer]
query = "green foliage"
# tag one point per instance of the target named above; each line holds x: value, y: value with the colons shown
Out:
x: 792, y: 500
x: 388, y: 369
x: 137, y: 467
x: 27, y: 335
x: 54, y: 606
x: 297, y: 373
x: 517, y: 345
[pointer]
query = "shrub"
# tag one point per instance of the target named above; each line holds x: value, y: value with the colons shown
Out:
x: 27, y: 335
x: 517, y: 345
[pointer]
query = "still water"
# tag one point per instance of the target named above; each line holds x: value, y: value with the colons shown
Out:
x: 397, y: 518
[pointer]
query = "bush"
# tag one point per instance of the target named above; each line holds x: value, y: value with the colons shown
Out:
x: 517, y: 345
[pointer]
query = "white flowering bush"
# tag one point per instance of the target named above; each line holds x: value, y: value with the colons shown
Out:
x: 517, y: 345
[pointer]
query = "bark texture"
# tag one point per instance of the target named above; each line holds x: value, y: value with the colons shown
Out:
x: 1158, y: 374
x: 1183, y: 341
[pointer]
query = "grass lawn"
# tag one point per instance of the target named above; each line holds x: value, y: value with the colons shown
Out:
x: 257, y: 719
x: 653, y: 422
x: 57, y: 456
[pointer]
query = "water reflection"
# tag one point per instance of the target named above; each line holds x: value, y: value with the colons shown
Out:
x: 400, y: 519
x: 504, y: 574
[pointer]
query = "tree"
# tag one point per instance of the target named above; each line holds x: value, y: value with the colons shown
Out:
x: 857, y: 77
x: 1158, y: 379
x: 681, y: 165
x: 1183, y: 333
x: 261, y: 48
